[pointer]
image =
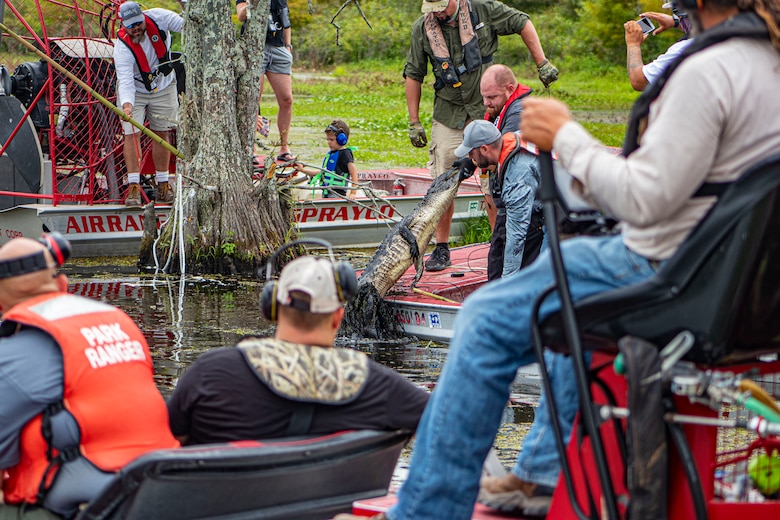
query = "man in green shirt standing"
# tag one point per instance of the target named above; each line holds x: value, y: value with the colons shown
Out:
x: 458, y: 38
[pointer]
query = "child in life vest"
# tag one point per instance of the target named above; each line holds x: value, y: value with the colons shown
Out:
x: 338, y: 175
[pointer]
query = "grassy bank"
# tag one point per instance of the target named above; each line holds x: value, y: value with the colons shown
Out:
x: 369, y: 96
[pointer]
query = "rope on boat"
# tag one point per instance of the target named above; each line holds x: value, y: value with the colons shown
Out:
x: 365, y: 186
x: 432, y: 295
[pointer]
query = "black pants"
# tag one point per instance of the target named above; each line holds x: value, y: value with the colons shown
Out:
x: 533, y: 243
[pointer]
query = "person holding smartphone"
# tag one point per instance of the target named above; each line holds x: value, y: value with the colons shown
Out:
x: 639, y: 74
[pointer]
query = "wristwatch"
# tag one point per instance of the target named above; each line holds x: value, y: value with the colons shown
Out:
x: 676, y: 20
x: 289, y: 45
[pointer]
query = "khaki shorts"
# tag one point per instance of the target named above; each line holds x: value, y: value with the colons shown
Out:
x: 441, y: 153
x: 163, y: 108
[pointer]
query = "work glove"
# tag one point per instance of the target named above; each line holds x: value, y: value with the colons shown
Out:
x: 547, y: 73
x: 417, y: 135
x: 466, y: 168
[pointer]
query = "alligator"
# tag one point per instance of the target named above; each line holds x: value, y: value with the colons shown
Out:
x: 403, y: 246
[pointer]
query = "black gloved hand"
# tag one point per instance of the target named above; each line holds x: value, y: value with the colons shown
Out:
x: 466, y: 168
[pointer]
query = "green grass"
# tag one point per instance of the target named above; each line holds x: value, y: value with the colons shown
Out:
x: 370, y: 97
x: 475, y: 230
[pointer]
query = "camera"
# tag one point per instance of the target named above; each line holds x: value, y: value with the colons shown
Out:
x: 646, y: 24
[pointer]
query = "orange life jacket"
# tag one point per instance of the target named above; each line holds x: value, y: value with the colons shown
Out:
x: 511, y: 144
x: 108, y: 388
x: 520, y: 92
x: 157, y: 37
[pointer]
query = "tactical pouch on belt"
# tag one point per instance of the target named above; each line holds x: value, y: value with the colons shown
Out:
x: 445, y: 74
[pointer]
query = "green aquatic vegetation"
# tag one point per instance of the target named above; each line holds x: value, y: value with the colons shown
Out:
x: 476, y: 230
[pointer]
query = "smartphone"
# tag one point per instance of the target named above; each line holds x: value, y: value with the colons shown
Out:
x: 647, y: 25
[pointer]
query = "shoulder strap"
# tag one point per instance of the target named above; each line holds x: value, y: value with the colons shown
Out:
x: 745, y: 25
x: 157, y: 38
x: 300, y: 422
x: 506, y: 160
x: 712, y: 189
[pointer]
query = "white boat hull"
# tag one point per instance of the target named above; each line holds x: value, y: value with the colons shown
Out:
x: 114, y: 230
x: 428, y: 311
x: 426, y: 321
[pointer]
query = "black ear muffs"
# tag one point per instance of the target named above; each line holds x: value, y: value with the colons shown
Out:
x: 268, y: 301
x: 341, y: 137
x: 346, y: 281
x: 55, y: 243
x: 343, y: 276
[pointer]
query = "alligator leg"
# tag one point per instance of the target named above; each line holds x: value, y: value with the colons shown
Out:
x: 414, y: 252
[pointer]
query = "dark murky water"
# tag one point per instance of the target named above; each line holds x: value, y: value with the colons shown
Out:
x: 182, y: 318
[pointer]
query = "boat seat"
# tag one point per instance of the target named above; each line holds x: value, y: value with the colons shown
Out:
x: 300, y: 478
x: 722, y: 284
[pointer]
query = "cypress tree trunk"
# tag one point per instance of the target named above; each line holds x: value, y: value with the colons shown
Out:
x: 230, y: 225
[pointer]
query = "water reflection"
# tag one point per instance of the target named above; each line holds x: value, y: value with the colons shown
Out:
x: 182, y: 318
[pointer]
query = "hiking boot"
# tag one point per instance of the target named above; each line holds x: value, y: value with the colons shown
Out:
x: 511, y: 494
x: 133, y: 198
x: 164, y: 193
x: 439, y: 259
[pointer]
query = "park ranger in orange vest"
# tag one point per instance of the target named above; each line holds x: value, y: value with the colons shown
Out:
x: 79, y: 399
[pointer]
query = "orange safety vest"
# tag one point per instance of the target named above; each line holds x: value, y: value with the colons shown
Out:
x: 511, y: 144
x: 157, y: 37
x: 108, y: 388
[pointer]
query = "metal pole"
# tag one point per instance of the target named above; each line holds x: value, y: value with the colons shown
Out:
x: 548, y: 195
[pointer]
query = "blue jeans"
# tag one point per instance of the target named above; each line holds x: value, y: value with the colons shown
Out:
x: 492, y: 340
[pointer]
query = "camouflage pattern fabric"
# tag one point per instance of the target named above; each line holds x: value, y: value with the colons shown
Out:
x: 307, y: 373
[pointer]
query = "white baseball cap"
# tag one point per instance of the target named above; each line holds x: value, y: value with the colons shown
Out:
x: 130, y: 13
x: 314, y: 277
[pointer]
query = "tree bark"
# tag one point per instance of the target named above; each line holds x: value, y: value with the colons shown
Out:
x: 231, y: 225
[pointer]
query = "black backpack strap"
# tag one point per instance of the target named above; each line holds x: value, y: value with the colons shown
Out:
x: 55, y: 461
x: 712, y: 189
x: 300, y: 422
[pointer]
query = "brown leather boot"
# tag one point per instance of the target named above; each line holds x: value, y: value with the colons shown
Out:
x: 133, y: 198
x: 164, y: 193
x: 509, y: 494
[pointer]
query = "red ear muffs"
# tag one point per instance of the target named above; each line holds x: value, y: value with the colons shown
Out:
x: 58, y: 246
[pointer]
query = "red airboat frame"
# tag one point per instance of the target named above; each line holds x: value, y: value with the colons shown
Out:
x: 703, y: 441
x: 87, y: 163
